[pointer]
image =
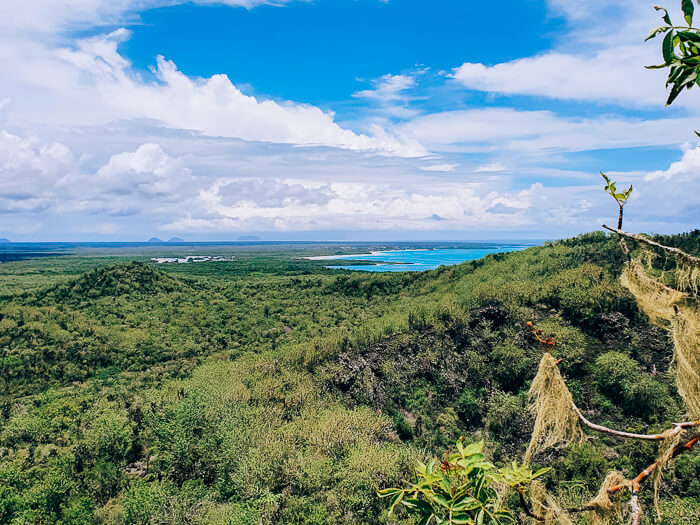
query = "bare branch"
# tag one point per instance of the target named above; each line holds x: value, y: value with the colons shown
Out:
x: 644, y: 240
x: 636, y: 510
x: 677, y: 428
x: 644, y: 474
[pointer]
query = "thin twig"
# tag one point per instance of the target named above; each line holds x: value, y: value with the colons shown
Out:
x: 644, y: 240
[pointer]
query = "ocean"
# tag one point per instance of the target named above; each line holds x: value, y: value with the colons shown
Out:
x: 418, y: 260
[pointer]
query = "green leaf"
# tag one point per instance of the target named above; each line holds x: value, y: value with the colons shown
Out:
x: 415, y: 505
x: 667, y: 48
x: 688, y: 36
x: 688, y: 8
x: 474, y: 448
x: 442, y: 501
x: 424, y: 520
x: 691, y: 61
x: 666, y: 18
x: 656, y: 31
x: 547, y: 469
x: 466, y: 502
x: 698, y: 134
x: 395, y: 501
x: 445, y: 482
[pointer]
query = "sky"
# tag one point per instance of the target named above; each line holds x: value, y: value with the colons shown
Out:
x: 372, y: 120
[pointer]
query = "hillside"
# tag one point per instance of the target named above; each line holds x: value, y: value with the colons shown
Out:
x: 285, y: 394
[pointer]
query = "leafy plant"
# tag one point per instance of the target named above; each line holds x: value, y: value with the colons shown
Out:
x: 458, y: 490
x: 620, y: 198
x: 680, y: 49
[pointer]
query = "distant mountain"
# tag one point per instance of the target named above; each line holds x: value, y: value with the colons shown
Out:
x: 248, y: 238
x: 176, y: 239
x: 4, y: 241
x: 156, y: 240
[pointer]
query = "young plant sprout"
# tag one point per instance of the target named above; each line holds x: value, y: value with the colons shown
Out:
x: 620, y: 198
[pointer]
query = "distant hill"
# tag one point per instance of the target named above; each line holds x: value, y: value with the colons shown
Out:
x: 176, y: 239
x: 156, y: 240
x: 248, y: 238
x: 113, y: 281
x: 4, y: 241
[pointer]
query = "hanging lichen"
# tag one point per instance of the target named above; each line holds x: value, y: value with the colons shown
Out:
x: 686, y: 342
x: 546, y: 507
x: 555, y: 420
x: 664, y: 307
x: 605, y: 509
x: 654, y: 298
x: 688, y: 278
x: 665, y: 454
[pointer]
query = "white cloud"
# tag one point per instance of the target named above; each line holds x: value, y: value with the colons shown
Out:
x: 52, y: 16
x: 92, y: 84
x: 28, y: 169
x: 614, y: 75
x: 689, y: 165
x: 390, y: 96
x: 148, y: 170
x: 388, y: 88
x: 439, y: 167
x: 355, y: 206
x: 491, y: 168
x: 506, y: 129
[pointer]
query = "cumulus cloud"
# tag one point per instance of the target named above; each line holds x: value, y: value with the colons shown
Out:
x: 304, y: 205
x: 92, y: 84
x: 689, y: 165
x: 28, y: 171
x: 148, y: 170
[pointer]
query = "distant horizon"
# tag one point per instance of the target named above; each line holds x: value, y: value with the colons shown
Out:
x: 277, y: 241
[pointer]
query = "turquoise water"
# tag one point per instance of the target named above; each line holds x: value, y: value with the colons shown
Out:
x: 419, y: 260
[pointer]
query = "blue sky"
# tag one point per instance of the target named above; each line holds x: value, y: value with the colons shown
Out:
x: 336, y: 119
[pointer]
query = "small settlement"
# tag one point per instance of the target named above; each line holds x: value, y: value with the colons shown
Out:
x: 192, y: 259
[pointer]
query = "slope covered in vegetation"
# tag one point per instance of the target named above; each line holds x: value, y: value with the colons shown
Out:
x: 290, y: 394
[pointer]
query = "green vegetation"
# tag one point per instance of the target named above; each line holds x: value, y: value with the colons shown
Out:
x: 680, y: 50
x: 272, y: 389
